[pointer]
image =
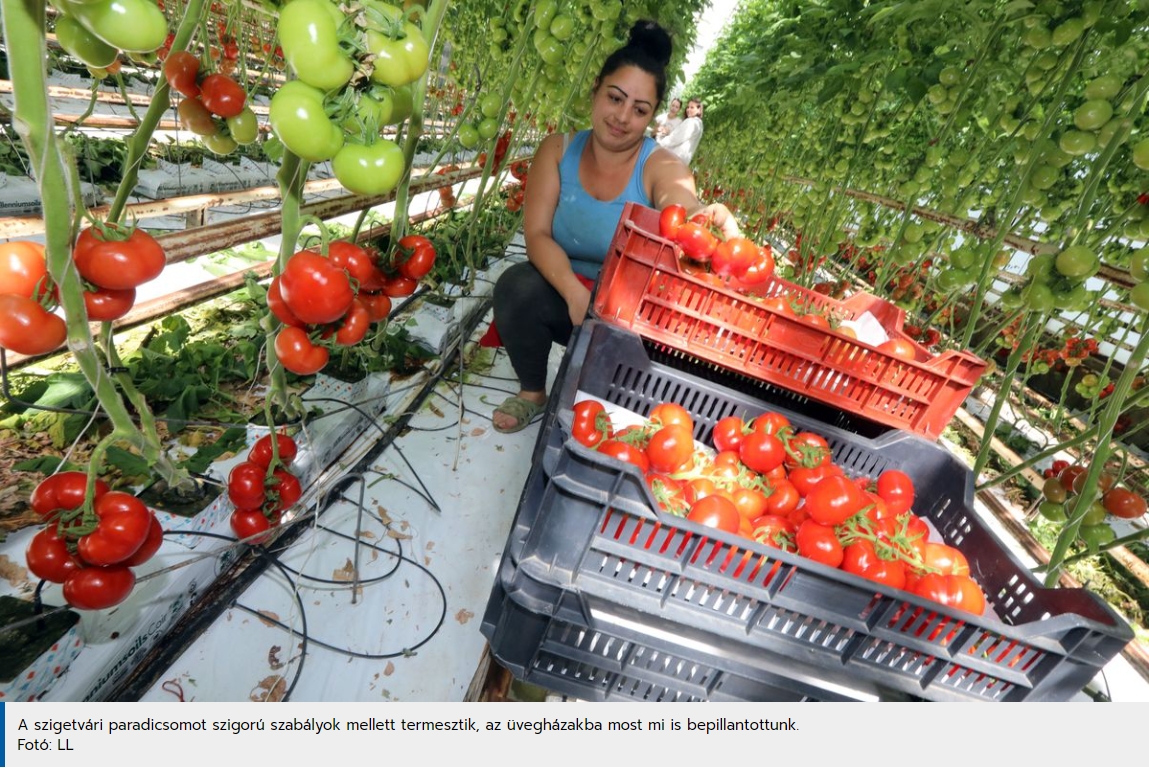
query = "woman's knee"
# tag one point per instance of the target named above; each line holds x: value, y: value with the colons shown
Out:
x: 521, y: 286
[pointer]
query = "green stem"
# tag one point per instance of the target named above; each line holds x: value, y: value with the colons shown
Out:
x: 1105, y: 425
x: 292, y: 176
x: 1033, y: 326
x: 142, y: 137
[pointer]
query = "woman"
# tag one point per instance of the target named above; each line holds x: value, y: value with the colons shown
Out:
x: 683, y: 140
x: 579, y: 185
x: 669, y: 120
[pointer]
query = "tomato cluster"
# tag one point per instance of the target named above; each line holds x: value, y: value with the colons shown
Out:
x: 261, y: 487
x: 321, y: 116
x: 90, y: 549
x: 517, y: 194
x: 114, y: 260
x: 214, y: 106
x: 737, y: 259
x: 769, y: 481
x: 339, y: 296
x: 1061, y: 497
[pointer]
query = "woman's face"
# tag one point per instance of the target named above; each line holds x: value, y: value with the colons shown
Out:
x: 675, y: 107
x: 623, y: 107
x: 693, y: 109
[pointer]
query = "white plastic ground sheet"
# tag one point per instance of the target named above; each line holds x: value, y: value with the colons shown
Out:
x: 409, y: 629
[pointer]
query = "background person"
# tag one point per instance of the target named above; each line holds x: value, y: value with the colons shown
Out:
x: 683, y: 140
x: 579, y: 185
x: 668, y: 120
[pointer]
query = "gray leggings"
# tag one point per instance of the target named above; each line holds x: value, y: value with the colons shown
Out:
x: 531, y: 316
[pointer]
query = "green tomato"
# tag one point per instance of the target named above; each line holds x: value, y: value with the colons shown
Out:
x: 133, y: 26
x: 398, y: 61
x: 562, y: 26
x: 309, y: 34
x: 1096, y: 536
x: 1096, y: 513
x: 1072, y: 298
x: 1103, y: 87
x: 79, y: 41
x: 1093, y: 114
x: 1068, y: 31
x: 244, y: 127
x: 1108, y: 131
x: 1052, y: 511
x: 490, y: 105
x: 1037, y: 37
x: 379, y: 106
x: 914, y: 232
x: 963, y: 258
x: 1139, y: 264
x: 545, y: 11
x: 220, y: 144
x: 551, y: 50
x: 1012, y: 299
x: 1139, y: 295
x: 1077, y: 261
x: 1079, y: 143
x: 369, y: 169
x: 1043, y: 177
x: 468, y: 136
x: 1141, y: 154
x: 950, y: 76
x: 951, y: 280
x: 1038, y: 297
x: 298, y: 118
x: 488, y: 128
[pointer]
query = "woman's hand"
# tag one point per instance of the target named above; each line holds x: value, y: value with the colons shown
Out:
x: 578, y: 302
x: 722, y: 218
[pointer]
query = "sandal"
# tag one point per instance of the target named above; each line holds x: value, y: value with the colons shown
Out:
x: 523, y: 411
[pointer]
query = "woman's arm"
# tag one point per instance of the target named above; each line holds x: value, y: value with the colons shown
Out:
x: 671, y: 182
x: 542, y: 198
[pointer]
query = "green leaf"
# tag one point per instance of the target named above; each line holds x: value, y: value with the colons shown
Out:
x: 129, y: 464
x: 47, y: 464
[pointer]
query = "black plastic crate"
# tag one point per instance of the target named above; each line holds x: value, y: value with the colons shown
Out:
x: 561, y: 653
x: 587, y: 525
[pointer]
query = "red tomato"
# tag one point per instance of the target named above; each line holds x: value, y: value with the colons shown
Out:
x: 761, y: 451
x: 727, y: 433
x: 415, y: 257
x: 398, y: 287
x: 24, y: 270
x: 771, y: 423
x: 378, y: 305
x: 733, y: 257
x: 245, y: 485
x: 959, y: 592
x: 696, y: 241
x: 670, y: 447
x: 27, y: 328
x: 834, y: 500
x: 591, y: 423
x: 897, y: 490
x: 181, y: 69
x: 152, y: 543
x: 668, y: 493
x: 666, y: 414
x: 114, y: 259
x: 750, y: 503
x: 355, y: 324
x: 222, y: 96
x: 781, y: 305
x: 48, y: 557
x: 106, y: 304
x: 815, y: 319
x: 626, y: 452
x: 716, y: 512
x: 900, y: 348
x: 93, y: 589
x: 1068, y: 476
x: 297, y: 354
x: 670, y: 220
x: 944, y: 559
x: 283, y: 490
x: 1123, y: 503
x: 246, y: 523
x: 124, y: 523
x: 774, y: 531
x: 806, y: 449
x: 315, y: 289
x: 61, y: 492
x: 261, y: 452
x: 279, y: 307
x: 819, y: 543
x: 761, y: 270
x: 699, y: 488
x: 358, y: 263
x: 805, y: 478
x: 783, y: 499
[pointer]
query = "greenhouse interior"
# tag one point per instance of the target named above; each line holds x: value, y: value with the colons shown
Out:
x: 842, y: 308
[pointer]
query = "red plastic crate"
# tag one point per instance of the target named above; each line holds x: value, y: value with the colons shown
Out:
x: 643, y: 288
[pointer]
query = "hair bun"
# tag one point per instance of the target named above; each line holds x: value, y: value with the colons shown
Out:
x: 649, y: 37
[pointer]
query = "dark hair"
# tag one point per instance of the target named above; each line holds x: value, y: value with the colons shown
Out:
x: 648, y: 48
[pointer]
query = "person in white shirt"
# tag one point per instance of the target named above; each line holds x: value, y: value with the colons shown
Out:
x: 683, y: 140
x: 668, y: 120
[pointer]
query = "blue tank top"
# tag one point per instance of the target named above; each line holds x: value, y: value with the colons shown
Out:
x: 584, y: 226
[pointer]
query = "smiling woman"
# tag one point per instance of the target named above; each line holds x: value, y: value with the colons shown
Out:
x: 579, y: 185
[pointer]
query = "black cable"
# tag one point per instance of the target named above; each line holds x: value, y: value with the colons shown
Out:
x: 304, y: 638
